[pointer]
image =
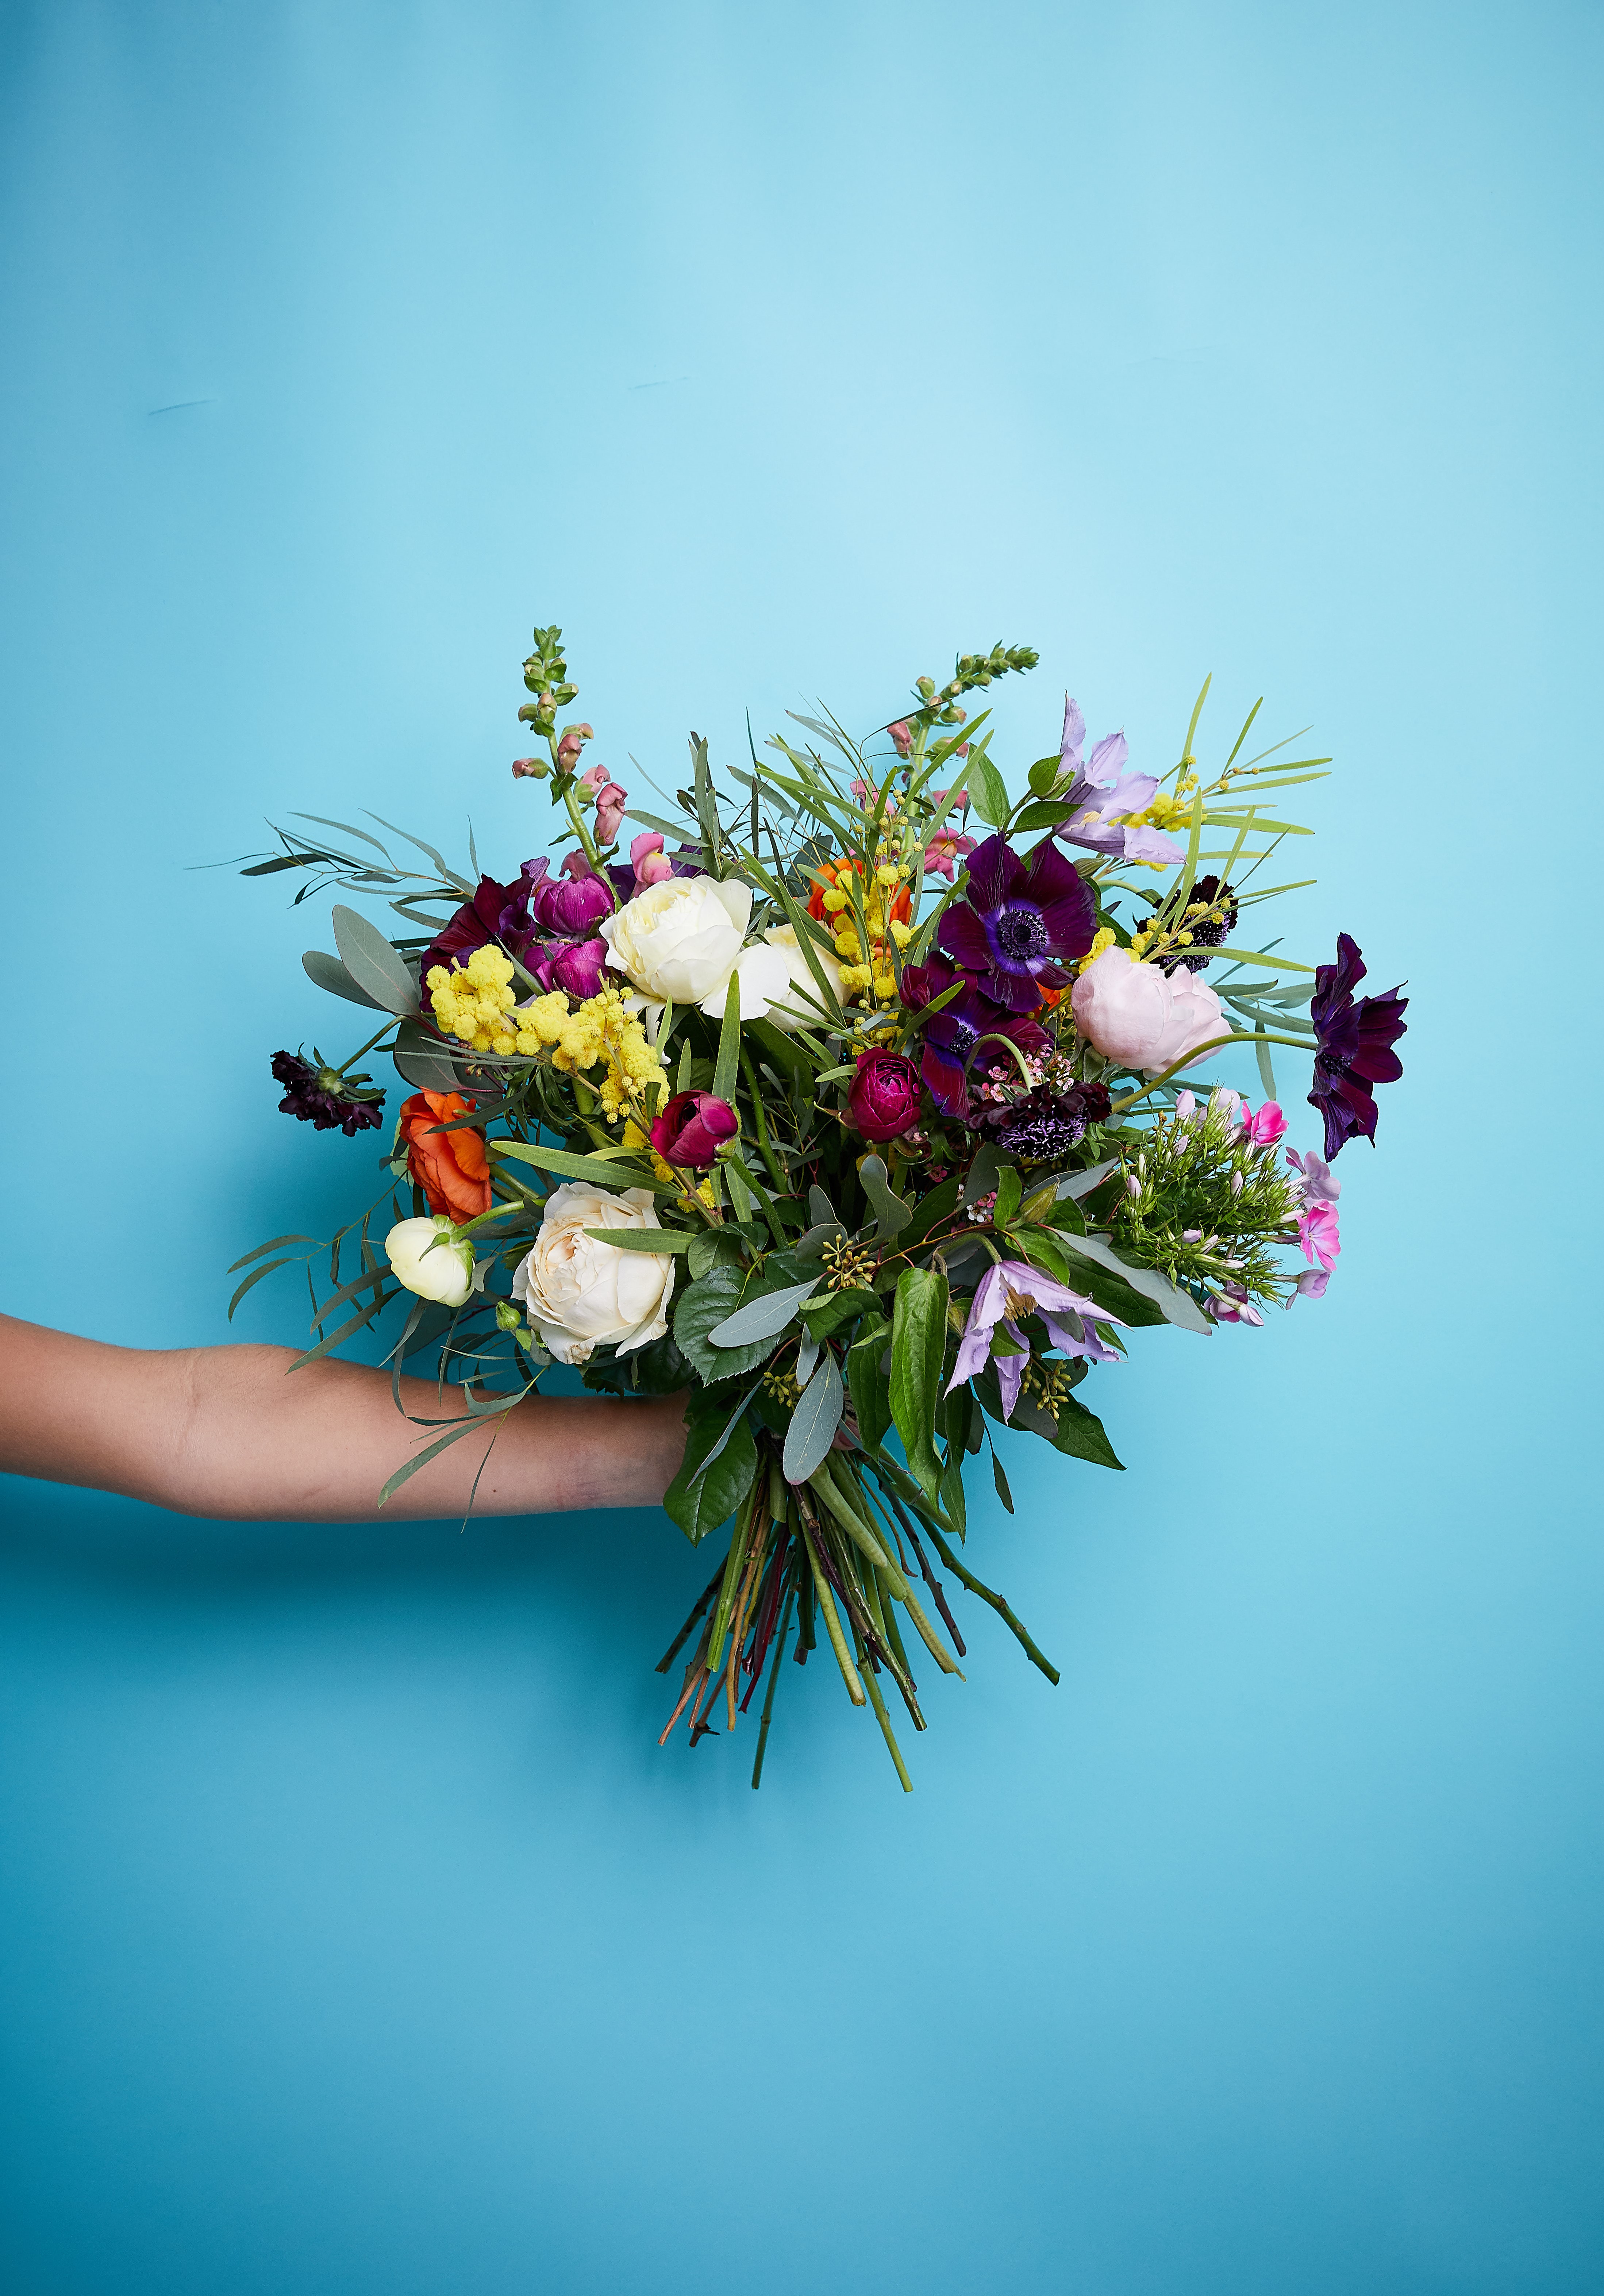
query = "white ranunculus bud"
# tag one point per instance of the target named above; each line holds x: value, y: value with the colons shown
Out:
x: 432, y: 1258
x: 580, y: 1293
x: 680, y: 938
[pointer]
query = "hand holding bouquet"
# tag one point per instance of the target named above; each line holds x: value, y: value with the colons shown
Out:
x: 853, y: 1096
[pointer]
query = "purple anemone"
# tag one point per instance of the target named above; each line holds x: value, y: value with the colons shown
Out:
x: 1356, y: 1037
x: 1018, y: 921
x: 951, y: 1038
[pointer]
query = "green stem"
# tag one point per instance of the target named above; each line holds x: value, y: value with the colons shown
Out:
x: 587, y: 840
x: 368, y: 1047
x: 832, y: 1624
x: 768, y: 1700
x: 978, y: 1586
x: 764, y: 1149
x: 881, y: 1715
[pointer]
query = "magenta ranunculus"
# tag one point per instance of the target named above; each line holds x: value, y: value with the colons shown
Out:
x: 884, y: 1098
x: 693, y: 1129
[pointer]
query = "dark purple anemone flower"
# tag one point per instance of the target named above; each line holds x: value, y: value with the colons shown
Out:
x: 949, y: 1041
x: 1018, y: 921
x: 315, y: 1096
x: 1046, y: 1124
x: 1356, y: 1039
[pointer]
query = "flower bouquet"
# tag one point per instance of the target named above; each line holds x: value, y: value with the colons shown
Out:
x: 854, y: 1096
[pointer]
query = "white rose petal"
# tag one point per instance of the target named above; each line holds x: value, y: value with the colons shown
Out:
x: 432, y: 1268
x: 580, y: 1293
x: 681, y: 938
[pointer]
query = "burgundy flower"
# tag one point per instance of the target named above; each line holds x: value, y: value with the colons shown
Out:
x: 1045, y: 1125
x: 1018, y: 921
x: 1207, y: 932
x: 316, y: 1096
x: 949, y: 1041
x: 1356, y: 1039
x: 496, y: 913
x: 577, y: 966
x: 563, y: 909
x: 884, y: 1096
x: 691, y: 1130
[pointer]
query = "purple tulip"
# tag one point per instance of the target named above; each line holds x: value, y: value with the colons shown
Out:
x: 693, y: 1129
x: 1020, y: 921
x: 569, y: 911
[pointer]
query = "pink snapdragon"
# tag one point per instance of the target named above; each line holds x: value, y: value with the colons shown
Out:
x: 902, y: 737
x: 944, y: 851
x: 649, y: 862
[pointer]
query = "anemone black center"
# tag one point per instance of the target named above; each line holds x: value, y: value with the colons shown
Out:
x: 1020, y: 934
x: 964, y: 1036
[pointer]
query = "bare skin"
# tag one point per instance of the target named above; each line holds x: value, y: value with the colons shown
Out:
x: 224, y: 1432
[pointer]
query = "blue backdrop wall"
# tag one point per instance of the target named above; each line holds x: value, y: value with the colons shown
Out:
x: 356, y: 1936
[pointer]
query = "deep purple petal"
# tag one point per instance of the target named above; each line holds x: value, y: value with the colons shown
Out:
x: 961, y: 936
x: 994, y: 873
x: 944, y: 1079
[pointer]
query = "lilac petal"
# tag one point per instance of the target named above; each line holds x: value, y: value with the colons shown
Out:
x: 975, y: 1347
x: 1010, y: 1371
x: 1075, y: 734
x: 1131, y: 793
x: 1149, y: 844
x: 1106, y: 759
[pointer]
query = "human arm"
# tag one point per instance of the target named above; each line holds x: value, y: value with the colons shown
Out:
x: 231, y: 1432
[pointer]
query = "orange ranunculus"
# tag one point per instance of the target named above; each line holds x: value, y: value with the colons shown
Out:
x: 830, y: 872
x: 1049, y: 998
x: 449, y: 1167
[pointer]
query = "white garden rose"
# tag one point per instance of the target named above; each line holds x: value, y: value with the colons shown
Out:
x: 432, y: 1258
x: 579, y: 1293
x: 680, y: 939
x: 775, y: 982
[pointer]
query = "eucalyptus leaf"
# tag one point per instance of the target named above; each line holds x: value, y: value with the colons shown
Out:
x: 329, y: 973
x: 1175, y: 1306
x: 814, y: 1423
x: 763, y: 1318
x: 893, y: 1211
x: 373, y: 963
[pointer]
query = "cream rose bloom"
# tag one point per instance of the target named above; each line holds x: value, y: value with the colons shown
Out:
x: 435, y: 1269
x: 680, y: 939
x: 775, y: 982
x: 1141, y: 1016
x: 581, y: 1295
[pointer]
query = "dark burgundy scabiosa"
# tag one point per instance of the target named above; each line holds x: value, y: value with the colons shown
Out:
x: 317, y: 1095
x: 1046, y: 1124
x: 1207, y: 932
x: 951, y: 1038
x: 1020, y: 921
x: 693, y: 1129
x: 884, y: 1096
x: 1356, y: 1037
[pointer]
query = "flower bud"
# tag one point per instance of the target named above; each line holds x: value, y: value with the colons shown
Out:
x: 884, y: 1096
x: 902, y: 737
x: 432, y: 1258
x: 534, y: 769
x: 507, y: 1317
x: 693, y: 1129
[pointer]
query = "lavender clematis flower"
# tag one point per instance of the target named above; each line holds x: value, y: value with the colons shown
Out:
x: 1018, y: 921
x: 1006, y: 1294
x: 1100, y: 795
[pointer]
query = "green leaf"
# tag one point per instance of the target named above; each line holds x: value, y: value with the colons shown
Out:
x: 763, y: 1318
x: 893, y: 1211
x: 1010, y: 1189
x: 784, y: 1057
x: 715, y: 1247
x: 1081, y: 1435
x: 602, y: 1171
x: 373, y: 963
x: 268, y: 1267
x: 709, y: 1302
x: 918, y: 1352
x: 988, y: 789
x: 421, y: 1458
x: 274, y: 1245
x: 727, y: 1067
x: 1044, y: 815
x: 932, y: 1211
x: 423, y: 1061
x: 870, y: 1394
x: 814, y: 1422
x: 699, y: 1502
x: 828, y: 1314
x: 657, y: 1240
x: 1176, y: 1307
x: 1001, y: 1480
x: 951, y: 1495
x: 981, y: 1178
x: 1110, y: 1289
x: 329, y: 973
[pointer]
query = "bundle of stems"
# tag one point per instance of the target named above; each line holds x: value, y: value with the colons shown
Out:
x: 836, y: 1550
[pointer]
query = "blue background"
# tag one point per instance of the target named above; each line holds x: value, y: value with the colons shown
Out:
x: 356, y: 1935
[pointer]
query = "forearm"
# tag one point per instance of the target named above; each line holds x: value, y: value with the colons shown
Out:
x: 230, y: 1432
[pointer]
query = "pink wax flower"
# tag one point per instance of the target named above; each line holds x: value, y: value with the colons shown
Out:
x: 1265, y: 1125
x: 944, y: 851
x: 901, y: 734
x: 651, y: 864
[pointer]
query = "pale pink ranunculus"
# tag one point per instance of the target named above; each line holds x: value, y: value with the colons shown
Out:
x: 1141, y: 1016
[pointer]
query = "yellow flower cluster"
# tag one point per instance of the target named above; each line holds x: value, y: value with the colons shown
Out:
x: 883, y: 900
x: 473, y: 1003
x: 1169, y: 807
x: 476, y: 1004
